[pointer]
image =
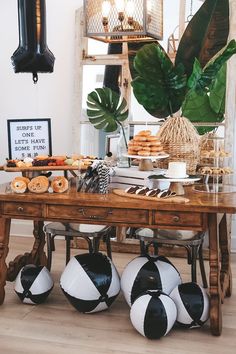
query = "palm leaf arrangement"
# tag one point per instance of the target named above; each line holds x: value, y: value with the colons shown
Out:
x: 196, y: 82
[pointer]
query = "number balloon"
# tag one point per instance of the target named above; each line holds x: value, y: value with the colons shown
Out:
x: 32, y: 54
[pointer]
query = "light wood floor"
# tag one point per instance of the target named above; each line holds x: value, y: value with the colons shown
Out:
x: 56, y: 327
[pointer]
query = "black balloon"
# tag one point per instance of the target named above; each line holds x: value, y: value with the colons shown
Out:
x: 32, y: 54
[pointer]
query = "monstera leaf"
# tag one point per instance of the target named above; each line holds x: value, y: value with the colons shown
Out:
x: 205, y: 35
x: 106, y: 110
x: 158, y: 86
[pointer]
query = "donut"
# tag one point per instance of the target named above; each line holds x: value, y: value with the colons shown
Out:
x: 144, y: 132
x: 156, y: 148
x: 152, y: 138
x: 154, y: 153
x: 19, y: 184
x: 146, y: 143
x: 155, y: 143
x: 59, y: 184
x: 143, y: 153
x: 132, y: 152
x: 140, y: 138
x: 38, y: 184
x: 136, y: 147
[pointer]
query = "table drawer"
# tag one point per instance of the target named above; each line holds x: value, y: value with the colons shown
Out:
x: 170, y: 218
x: 22, y: 209
x: 130, y: 216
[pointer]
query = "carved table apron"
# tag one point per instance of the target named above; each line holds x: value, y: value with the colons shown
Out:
x: 202, y: 212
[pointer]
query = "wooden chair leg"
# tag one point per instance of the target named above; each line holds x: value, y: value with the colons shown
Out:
x: 202, y: 267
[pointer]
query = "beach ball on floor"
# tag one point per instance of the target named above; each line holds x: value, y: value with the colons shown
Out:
x: 90, y: 282
x: 192, y: 302
x: 153, y: 314
x: 148, y: 273
x: 33, y: 284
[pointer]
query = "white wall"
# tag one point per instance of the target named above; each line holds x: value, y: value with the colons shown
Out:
x: 52, y: 96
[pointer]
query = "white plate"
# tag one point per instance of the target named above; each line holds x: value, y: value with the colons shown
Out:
x: 167, y: 176
x: 147, y: 157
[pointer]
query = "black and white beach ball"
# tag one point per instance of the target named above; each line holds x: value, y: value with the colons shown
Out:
x: 148, y: 273
x: 90, y: 282
x: 192, y: 302
x: 153, y: 314
x: 33, y: 284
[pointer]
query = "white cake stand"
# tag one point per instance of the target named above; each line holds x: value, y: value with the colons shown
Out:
x: 176, y: 184
x: 145, y: 163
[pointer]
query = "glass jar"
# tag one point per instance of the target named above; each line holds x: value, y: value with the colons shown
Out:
x: 122, y: 148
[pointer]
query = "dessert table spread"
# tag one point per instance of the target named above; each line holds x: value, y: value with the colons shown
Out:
x: 201, y: 212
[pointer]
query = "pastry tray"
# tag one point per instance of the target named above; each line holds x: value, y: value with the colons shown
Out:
x: 41, y: 168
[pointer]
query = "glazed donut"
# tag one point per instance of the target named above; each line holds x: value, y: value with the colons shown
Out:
x: 132, y: 152
x: 140, y: 138
x: 143, y: 153
x: 146, y: 143
x: 152, y: 138
x: 145, y: 148
x: 154, y: 153
x: 135, y: 147
x: 59, y: 184
x: 38, y: 184
x: 131, y: 142
x: 144, y: 132
x: 19, y: 184
x: 155, y: 143
x: 156, y: 148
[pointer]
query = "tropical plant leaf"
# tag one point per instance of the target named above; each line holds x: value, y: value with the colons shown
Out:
x: 202, y: 79
x: 205, y: 35
x: 106, y: 110
x: 133, y: 48
x: 205, y: 100
x: 217, y: 92
x: 159, y: 86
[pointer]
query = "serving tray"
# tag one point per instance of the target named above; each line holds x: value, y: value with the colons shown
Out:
x: 176, y: 199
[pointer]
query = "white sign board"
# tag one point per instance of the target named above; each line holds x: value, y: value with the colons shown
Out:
x: 29, y: 138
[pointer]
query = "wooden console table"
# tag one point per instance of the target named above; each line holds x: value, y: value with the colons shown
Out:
x: 202, y: 212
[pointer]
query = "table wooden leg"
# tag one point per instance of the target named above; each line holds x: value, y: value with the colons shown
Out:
x: 215, y: 288
x: 225, y: 273
x: 4, y: 241
x: 36, y: 256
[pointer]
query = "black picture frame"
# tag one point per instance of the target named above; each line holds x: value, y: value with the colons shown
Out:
x: 29, y: 137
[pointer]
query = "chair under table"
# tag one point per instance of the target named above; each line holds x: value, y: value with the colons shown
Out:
x: 93, y: 234
x: 192, y: 242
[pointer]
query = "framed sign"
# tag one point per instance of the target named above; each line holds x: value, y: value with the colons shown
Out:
x: 29, y: 138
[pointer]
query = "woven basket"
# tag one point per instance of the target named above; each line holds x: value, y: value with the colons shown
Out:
x: 181, y: 141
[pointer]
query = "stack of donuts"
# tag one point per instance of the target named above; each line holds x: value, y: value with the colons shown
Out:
x: 145, y: 144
